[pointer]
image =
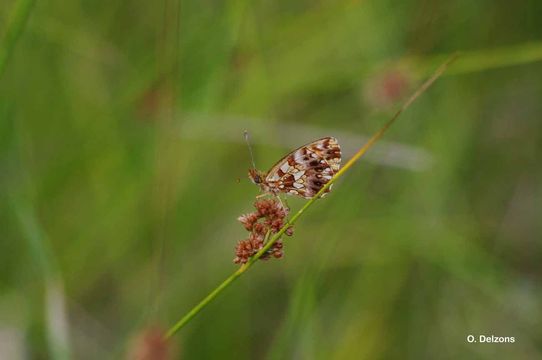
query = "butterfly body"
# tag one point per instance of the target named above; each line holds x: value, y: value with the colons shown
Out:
x: 304, y: 171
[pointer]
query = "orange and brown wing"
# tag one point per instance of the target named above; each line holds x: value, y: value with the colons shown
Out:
x: 305, y: 170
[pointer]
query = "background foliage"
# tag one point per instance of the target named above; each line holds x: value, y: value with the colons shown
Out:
x: 121, y: 148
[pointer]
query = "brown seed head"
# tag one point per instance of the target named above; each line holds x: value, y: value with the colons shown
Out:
x: 269, y: 217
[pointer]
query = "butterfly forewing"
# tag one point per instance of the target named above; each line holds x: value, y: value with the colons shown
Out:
x: 307, y: 169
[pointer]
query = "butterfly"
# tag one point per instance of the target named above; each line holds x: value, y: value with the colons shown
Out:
x: 304, y: 171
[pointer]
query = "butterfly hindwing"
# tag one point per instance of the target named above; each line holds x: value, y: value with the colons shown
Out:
x: 305, y: 170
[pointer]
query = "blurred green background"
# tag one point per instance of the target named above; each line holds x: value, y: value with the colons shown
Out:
x: 121, y: 148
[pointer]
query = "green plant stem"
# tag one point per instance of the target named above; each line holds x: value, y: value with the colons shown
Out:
x: 268, y: 244
x: 496, y: 58
x: 16, y: 24
x: 196, y: 309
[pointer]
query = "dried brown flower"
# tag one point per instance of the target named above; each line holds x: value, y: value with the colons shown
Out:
x: 150, y: 345
x: 387, y: 87
x: 270, y: 216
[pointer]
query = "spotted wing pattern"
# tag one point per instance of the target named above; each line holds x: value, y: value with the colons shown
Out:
x: 305, y: 170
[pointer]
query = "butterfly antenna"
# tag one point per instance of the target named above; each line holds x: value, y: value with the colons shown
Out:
x: 250, y: 149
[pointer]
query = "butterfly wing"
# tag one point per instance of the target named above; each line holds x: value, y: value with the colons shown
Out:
x: 305, y: 170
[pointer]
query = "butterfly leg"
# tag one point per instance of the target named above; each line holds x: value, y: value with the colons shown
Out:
x: 282, y: 203
x: 262, y: 195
